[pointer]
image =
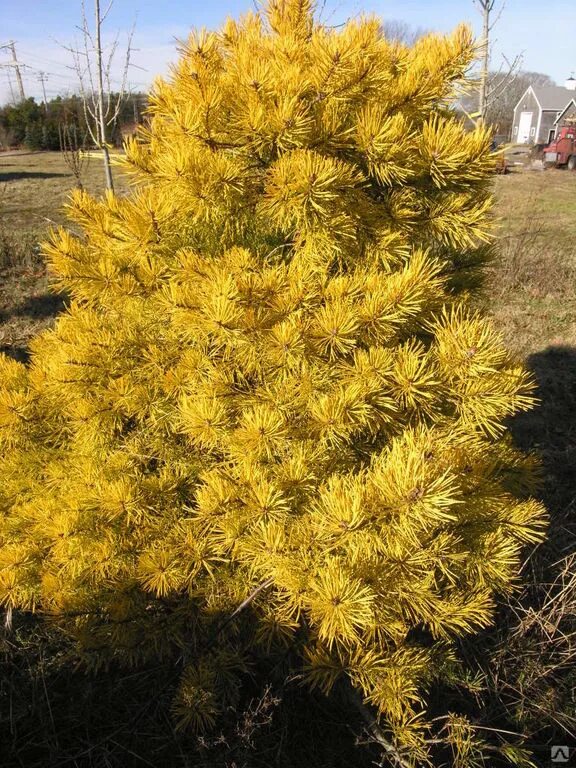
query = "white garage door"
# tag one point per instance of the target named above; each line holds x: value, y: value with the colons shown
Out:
x: 524, y: 127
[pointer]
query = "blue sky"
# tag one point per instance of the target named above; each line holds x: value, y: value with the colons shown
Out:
x: 543, y: 32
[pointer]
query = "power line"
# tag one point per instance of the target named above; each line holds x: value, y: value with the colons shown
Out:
x: 35, y: 71
x: 58, y: 64
x: 71, y: 78
x: 43, y: 60
x: 29, y: 75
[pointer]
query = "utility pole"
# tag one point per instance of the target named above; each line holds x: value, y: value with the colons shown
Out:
x: 16, y: 65
x: 42, y: 78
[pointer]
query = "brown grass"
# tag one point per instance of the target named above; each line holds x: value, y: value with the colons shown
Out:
x: 533, y: 284
x: 530, y: 672
x: 34, y: 187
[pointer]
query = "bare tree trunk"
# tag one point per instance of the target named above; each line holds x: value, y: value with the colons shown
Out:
x: 100, y: 104
x: 486, y: 7
x: 492, y: 85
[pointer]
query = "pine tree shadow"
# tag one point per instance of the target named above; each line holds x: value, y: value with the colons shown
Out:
x: 526, y: 656
x: 20, y: 322
x: 44, y: 305
x: 550, y: 430
x: 20, y: 175
x: 56, y: 716
x: 533, y: 674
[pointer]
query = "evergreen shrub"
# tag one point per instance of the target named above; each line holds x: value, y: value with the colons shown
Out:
x: 270, y: 421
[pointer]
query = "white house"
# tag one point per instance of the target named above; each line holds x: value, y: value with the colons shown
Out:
x: 537, y: 112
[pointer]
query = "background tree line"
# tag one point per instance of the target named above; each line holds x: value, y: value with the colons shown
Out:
x: 38, y: 126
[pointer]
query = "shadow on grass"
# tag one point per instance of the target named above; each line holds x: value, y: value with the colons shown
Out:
x: 20, y: 175
x: 55, y: 717
x: 537, y: 650
x: 44, y: 305
x: 16, y: 352
x: 526, y: 657
x: 33, y: 308
x: 550, y: 430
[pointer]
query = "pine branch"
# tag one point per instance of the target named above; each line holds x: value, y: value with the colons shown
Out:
x: 374, y: 728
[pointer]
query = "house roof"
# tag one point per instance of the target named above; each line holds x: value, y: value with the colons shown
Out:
x: 571, y: 104
x: 552, y: 97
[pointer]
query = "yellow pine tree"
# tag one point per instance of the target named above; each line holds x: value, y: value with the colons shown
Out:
x: 270, y: 391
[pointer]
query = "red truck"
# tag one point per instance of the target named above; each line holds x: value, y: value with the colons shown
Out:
x: 562, y: 151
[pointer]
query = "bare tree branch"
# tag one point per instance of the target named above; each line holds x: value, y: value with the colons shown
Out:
x: 93, y: 64
x: 506, y: 87
x: 72, y: 147
x: 499, y: 82
x: 492, y: 87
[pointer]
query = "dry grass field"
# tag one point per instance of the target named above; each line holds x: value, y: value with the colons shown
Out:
x: 533, y: 285
x: 34, y: 187
x: 527, y: 660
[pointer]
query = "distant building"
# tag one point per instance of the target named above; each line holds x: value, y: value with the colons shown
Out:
x: 568, y: 114
x: 540, y: 108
